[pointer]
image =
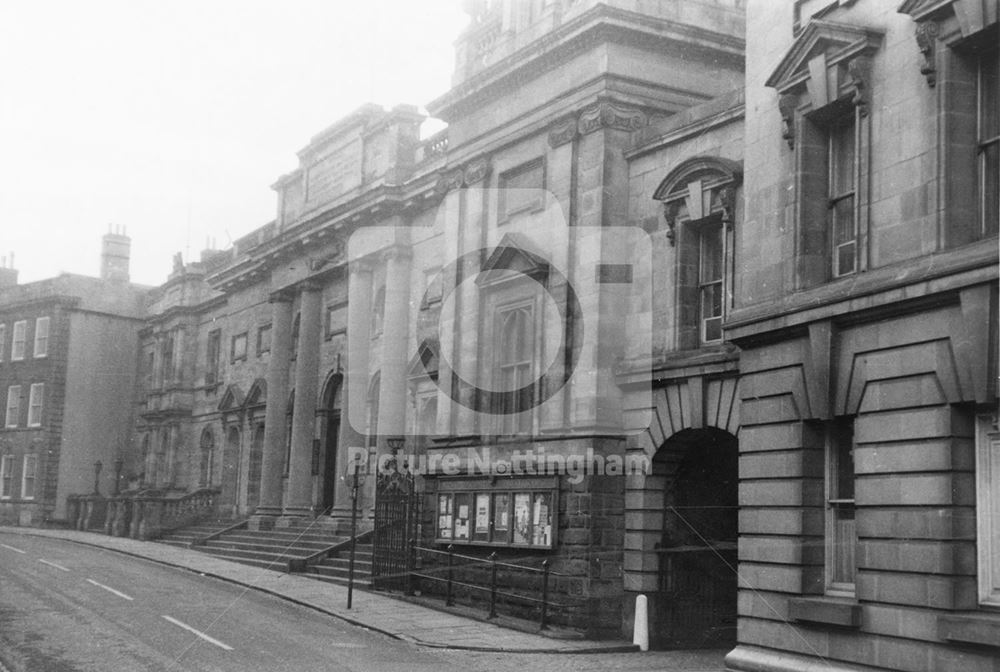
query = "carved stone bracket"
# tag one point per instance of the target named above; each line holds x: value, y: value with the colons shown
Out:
x: 608, y: 115
x: 450, y: 180
x: 473, y: 173
x: 786, y: 106
x: 727, y: 197
x: 860, y: 70
x: 926, y: 34
x: 670, y: 209
x: 562, y: 131
x: 476, y: 171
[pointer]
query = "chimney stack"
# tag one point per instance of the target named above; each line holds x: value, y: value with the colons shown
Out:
x: 8, y: 274
x: 115, y: 251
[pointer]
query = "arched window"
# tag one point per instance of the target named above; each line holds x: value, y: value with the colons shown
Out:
x: 207, y: 451
x: 699, y: 204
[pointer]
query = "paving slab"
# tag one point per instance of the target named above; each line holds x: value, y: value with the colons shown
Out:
x: 399, y: 619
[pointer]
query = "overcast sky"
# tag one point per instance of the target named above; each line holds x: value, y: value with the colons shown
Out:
x: 173, y: 119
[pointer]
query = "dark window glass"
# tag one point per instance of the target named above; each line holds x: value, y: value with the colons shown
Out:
x: 989, y: 141
x: 841, y: 195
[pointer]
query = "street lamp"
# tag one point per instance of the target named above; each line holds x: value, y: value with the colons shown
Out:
x: 357, y: 478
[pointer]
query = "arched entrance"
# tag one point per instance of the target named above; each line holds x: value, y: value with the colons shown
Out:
x: 332, y: 394
x: 696, y: 601
x: 230, y: 466
x: 254, y: 468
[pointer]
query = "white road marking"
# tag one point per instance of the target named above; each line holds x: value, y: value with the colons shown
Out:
x: 16, y: 550
x: 201, y: 634
x: 110, y: 590
x: 52, y: 564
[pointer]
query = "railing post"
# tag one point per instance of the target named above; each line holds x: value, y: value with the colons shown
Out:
x: 545, y: 595
x: 411, y: 565
x: 449, y: 600
x: 493, y: 585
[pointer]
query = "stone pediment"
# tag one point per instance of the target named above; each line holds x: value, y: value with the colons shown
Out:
x: 232, y: 400
x: 258, y: 393
x: 514, y: 253
x: 833, y: 42
x: 425, y: 361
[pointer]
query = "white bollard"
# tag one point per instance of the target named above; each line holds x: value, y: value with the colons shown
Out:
x: 640, y: 631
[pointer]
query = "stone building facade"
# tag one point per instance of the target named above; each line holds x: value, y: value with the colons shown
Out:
x: 67, y: 375
x: 764, y: 269
x: 866, y: 318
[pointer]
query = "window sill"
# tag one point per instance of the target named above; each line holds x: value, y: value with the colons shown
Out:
x: 843, y: 612
x: 980, y: 628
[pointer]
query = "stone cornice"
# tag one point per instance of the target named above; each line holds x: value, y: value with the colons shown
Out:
x: 186, y: 309
x: 374, y: 204
x: 686, y: 131
x: 597, y: 25
x: 876, y: 291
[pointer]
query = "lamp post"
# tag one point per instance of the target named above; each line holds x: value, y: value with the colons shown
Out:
x: 97, y: 477
x: 356, y: 479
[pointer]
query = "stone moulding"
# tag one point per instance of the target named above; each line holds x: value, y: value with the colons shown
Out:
x: 562, y: 131
x: 606, y: 114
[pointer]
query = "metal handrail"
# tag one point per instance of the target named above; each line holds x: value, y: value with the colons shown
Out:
x: 518, y: 596
x: 201, y: 541
x: 301, y: 564
x: 493, y: 589
x: 487, y: 561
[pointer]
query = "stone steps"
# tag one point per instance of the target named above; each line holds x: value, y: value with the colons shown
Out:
x: 337, y: 568
x: 273, y: 549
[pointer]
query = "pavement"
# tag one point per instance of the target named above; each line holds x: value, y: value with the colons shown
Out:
x: 403, y: 620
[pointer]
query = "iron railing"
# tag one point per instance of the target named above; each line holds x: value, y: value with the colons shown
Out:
x: 494, y: 579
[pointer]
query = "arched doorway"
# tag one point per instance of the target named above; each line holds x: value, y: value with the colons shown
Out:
x: 696, y: 601
x: 255, y: 466
x: 332, y: 395
x: 230, y: 466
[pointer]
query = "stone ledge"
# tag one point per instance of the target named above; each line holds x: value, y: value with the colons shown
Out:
x: 981, y: 628
x: 838, y: 611
x: 748, y: 658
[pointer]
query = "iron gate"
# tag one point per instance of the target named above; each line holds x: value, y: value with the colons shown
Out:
x: 395, y: 533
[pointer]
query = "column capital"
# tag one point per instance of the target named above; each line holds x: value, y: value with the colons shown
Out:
x: 310, y: 285
x: 284, y: 295
x: 397, y: 251
x: 361, y: 266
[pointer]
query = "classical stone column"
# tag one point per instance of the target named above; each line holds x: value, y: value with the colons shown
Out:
x: 300, y: 480
x: 352, y: 422
x: 395, y: 338
x: 274, y: 417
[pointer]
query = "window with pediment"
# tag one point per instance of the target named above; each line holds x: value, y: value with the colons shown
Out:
x: 824, y: 87
x: 699, y: 205
x: 958, y: 41
x: 512, y: 285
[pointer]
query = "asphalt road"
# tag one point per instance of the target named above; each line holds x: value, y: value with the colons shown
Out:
x: 65, y: 607
x: 68, y: 607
